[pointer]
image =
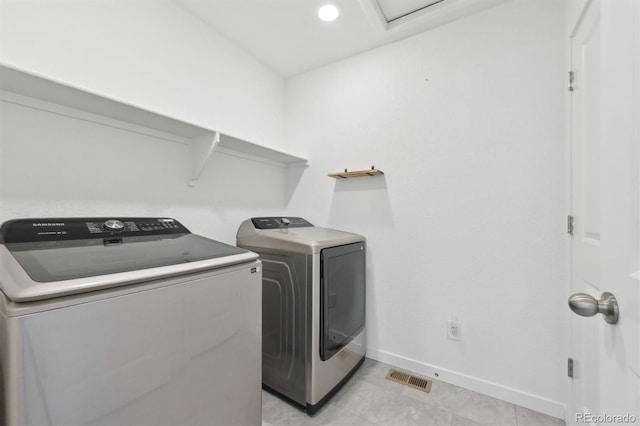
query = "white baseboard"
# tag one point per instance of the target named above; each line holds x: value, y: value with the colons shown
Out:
x: 495, y: 390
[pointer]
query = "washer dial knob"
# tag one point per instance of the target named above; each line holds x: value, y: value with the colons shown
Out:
x: 113, y: 225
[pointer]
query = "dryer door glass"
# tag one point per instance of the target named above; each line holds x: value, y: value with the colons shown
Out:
x: 342, y: 296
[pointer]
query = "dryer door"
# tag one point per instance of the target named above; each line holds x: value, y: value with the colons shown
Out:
x: 342, y: 296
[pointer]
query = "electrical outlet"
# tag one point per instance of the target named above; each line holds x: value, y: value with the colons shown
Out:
x: 453, y: 329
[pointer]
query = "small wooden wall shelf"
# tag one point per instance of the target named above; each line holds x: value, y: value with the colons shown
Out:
x: 356, y: 173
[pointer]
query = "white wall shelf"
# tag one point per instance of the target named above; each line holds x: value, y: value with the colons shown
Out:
x: 26, y: 88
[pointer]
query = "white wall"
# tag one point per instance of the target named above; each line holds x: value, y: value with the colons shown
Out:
x: 150, y: 53
x: 155, y: 55
x: 467, y: 123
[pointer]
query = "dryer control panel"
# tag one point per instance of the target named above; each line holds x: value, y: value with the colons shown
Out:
x: 279, y: 222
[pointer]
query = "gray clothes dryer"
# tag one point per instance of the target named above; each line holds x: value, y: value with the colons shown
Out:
x: 313, y: 306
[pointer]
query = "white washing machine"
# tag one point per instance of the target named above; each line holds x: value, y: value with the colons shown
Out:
x: 313, y: 301
x: 128, y: 321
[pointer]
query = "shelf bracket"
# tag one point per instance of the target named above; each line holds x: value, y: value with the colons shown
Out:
x: 202, y: 148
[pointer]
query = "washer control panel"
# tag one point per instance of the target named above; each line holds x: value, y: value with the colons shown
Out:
x: 113, y: 225
x: 60, y: 229
x: 279, y: 222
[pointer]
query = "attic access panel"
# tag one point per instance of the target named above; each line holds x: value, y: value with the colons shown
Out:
x: 396, y: 9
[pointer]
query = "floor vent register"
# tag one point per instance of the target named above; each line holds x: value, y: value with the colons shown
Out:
x: 410, y: 380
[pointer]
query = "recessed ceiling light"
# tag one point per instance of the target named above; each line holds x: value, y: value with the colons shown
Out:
x: 328, y: 13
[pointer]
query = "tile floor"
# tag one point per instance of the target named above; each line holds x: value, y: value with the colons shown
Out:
x: 368, y: 399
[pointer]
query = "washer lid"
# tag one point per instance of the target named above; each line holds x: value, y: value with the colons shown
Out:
x: 67, y: 260
x: 70, y: 255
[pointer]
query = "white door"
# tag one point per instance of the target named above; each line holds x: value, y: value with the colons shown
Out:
x: 605, y: 247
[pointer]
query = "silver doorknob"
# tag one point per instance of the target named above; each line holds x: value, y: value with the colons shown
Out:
x: 587, y: 306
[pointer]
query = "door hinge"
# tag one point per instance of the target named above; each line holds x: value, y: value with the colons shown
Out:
x: 570, y: 85
x: 570, y: 367
x: 570, y: 225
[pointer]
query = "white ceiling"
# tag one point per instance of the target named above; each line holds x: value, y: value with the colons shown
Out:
x: 287, y: 35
